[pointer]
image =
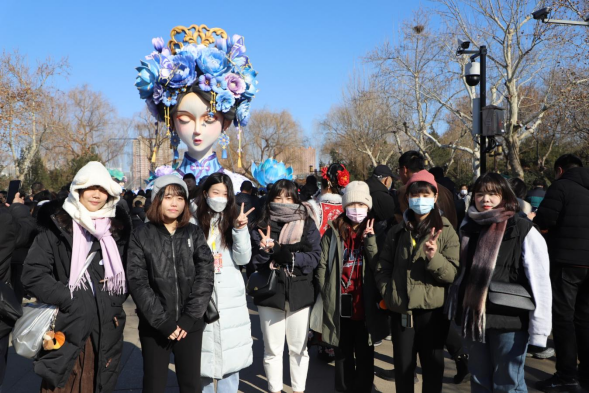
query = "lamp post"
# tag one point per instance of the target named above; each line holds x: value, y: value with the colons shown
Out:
x: 542, y: 14
x: 474, y: 74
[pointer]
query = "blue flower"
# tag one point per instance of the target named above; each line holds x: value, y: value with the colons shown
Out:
x: 206, y: 82
x: 225, y: 101
x: 170, y: 98
x: 243, y: 113
x: 147, y: 77
x: 212, y: 61
x: 158, y: 93
x: 270, y: 171
x: 249, y: 75
x: 220, y: 85
x: 184, y: 73
x: 175, y: 140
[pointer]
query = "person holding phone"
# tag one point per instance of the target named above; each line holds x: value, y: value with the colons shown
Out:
x: 286, y: 240
x: 227, y: 342
x: 352, y: 320
x: 418, y: 263
x: 170, y: 272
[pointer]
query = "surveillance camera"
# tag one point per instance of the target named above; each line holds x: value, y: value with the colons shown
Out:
x: 472, y: 74
x: 463, y: 44
x: 541, y: 14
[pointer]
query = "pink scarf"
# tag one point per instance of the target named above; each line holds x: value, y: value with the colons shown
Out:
x: 114, y: 274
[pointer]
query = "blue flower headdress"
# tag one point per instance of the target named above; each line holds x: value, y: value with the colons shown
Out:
x: 214, y: 67
x: 270, y: 171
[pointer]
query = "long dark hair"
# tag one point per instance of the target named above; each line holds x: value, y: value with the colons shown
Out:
x: 494, y: 182
x: 204, y: 213
x: 280, y: 187
x: 433, y: 219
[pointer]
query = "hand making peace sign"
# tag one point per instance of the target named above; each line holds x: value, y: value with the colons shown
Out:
x: 266, y: 243
x: 369, y: 228
x: 241, y: 220
x: 431, y: 246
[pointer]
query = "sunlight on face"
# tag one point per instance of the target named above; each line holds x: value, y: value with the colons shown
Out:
x: 486, y: 200
x: 194, y: 126
x: 172, y: 206
x: 93, y: 198
x: 426, y: 194
x: 217, y: 190
x: 283, y: 198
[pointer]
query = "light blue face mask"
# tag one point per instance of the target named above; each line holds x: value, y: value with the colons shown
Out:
x: 421, y: 205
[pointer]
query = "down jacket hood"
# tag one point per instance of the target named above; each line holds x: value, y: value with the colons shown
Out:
x: 578, y: 175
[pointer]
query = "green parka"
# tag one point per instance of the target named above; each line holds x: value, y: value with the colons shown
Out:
x: 329, y: 282
x: 406, y: 279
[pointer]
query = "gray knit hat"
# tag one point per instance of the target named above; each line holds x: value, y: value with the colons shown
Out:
x: 162, y: 182
x: 357, y: 192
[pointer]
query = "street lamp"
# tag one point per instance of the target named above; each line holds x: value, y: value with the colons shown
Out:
x: 477, y: 73
x: 542, y: 14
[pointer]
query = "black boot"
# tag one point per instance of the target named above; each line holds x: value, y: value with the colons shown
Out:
x: 557, y: 384
x: 461, y: 369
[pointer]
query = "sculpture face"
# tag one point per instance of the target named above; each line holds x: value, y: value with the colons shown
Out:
x: 195, y: 128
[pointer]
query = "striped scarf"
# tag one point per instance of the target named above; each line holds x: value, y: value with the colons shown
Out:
x: 494, y: 223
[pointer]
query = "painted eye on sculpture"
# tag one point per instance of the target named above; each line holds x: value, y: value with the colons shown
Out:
x: 184, y: 119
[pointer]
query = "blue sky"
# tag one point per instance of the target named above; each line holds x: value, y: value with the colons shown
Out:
x: 304, y: 51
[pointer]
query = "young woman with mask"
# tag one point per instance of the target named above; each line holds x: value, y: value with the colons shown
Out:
x: 413, y: 271
x: 170, y: 272
x: 287, y: 241
x: 91, y: 311
x: 352, y: 320
x: 227, y: 343
x: 500, y: 248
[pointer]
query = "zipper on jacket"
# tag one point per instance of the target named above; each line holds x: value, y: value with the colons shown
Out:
x: 176, y: 279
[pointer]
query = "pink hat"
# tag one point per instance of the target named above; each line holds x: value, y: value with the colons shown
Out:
x: 422, y: 176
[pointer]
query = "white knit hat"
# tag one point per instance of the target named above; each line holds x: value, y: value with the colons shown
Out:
x: 92, y: 174
x: 357, y: 192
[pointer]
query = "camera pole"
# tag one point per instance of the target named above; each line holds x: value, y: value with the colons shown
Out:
x: 483, y: 95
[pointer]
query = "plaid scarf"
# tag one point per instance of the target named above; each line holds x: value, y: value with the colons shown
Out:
x: 494, y: 223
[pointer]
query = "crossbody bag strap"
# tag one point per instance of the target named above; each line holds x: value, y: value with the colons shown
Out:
x: 332, y: 249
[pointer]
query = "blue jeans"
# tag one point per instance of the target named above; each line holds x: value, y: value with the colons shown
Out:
x: 229, y: 384
x: 498, y: 364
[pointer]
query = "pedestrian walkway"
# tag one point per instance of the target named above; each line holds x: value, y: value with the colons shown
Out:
x: 20, y: 377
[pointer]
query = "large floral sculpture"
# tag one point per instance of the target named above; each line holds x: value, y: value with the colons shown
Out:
x: 198, y: 84
x: 270, y: 171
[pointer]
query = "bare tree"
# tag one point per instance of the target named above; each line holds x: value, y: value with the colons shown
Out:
x: 522, y: 52
x: 364, y: 123
x: 26, y: 106
x: 422, y: 88
x: 89, y: 124
x: 150, y: 134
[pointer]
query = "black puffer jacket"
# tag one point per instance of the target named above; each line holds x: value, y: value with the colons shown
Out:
x: 46, y: 275
x: 171, y: 277
x: 564, y: 212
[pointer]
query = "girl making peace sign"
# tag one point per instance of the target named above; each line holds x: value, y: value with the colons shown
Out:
x: 227, y: 343
x: 352, y: 321
x: 418, y: 262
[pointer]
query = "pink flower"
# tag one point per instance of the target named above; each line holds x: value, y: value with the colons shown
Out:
x: 235, y: 84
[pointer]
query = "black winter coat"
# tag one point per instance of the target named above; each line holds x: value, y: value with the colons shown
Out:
x: 383, y: 203
x: 299, y: 290
x: 8, y: 235
x: 46, y: 274
x: 564, y: 212
x: 171, y: 277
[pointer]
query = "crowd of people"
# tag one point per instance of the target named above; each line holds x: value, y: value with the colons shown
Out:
x: 487, y: 271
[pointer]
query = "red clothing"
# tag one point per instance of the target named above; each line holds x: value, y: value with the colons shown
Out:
x: 353, y: 260
x: 329, y: 212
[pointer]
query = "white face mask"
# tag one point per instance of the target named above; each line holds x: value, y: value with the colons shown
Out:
x: 356, y: 214
x: 218, y: 204
x: 463, y: 192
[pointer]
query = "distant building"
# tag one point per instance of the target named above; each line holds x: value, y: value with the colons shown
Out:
x: 142, y: 159
x: 302, y: 159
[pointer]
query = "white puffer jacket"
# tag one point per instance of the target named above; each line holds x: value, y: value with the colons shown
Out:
x: 227, y: 343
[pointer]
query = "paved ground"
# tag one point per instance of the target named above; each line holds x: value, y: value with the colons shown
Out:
x: 20, y: 377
